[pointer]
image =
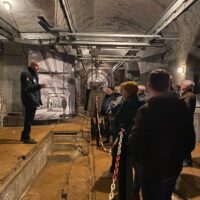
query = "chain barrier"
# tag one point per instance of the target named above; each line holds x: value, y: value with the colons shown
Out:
x: 114, y: 178
x: 99, y: 131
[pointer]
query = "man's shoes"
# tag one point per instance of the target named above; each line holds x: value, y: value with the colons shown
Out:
x: 28, y: 141
x: 107, y: 175
x: 187, y: 163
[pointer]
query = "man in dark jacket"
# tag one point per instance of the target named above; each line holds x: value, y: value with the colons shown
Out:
x: 31, y: 98
x: 163, y: 134
x: 189, y: 97
x: 104, y: 111
x: 125, y: 119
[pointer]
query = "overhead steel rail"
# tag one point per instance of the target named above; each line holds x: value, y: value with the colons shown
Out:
x: 108, y: 35
x: 53, y: 73
x: 65, y: 7
x: 107, y: 56
x: 37, y: 36
x: 7, y: 30
x: 110, y: 59
x: 119, y: 48
x: 66, y: 11
x: 176, y: 8
x: 105, y: 43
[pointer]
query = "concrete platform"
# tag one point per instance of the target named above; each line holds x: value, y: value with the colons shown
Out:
x: 12, y: 151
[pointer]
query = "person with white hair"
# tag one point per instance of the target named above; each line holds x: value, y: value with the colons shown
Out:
x: 142, y: 93
x: 189, y: 97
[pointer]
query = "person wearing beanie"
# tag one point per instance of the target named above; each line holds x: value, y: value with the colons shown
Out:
x: 130, y: 87
x: 125, y: 119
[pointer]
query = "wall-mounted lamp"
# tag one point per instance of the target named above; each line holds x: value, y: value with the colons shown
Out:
x: 181, y: 70
x: 7, y: 5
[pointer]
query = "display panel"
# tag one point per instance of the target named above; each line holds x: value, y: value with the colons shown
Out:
x: 57, y: 73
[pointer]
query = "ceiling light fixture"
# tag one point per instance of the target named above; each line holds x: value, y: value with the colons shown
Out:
x: 7, y: 5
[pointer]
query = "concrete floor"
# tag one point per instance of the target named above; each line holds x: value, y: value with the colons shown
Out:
x: 49, y: 183
x: 84, y: 176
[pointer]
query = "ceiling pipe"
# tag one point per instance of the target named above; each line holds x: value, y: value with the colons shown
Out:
x: 176, y: 8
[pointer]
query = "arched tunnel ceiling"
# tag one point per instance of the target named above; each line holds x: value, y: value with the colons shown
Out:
x: 135, y: 16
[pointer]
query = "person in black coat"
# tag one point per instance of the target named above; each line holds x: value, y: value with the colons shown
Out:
x: 105, y: 112
x: 125, y: 119
x: 31, y: 98
x: 161, y: 138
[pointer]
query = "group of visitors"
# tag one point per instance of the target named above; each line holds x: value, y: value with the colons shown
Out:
x: 159, y: 134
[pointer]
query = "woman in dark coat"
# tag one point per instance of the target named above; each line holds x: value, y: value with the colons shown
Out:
x: 125, y: 119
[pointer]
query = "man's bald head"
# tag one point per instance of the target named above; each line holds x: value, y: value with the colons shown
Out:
x: 34, y: 65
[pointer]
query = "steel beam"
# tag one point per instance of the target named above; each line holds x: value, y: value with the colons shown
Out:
x: 176, y: 8
x: 103, y: 43
x: 107, y: 35
x: 5, y: 34
x: 37, y: 36
x: 66, y: 11
x: 119, y: 49
x: 53, y: 73
x: 106, y: 56
x: 7, y: 30
x: 65, y: 8
x: 110, y: 59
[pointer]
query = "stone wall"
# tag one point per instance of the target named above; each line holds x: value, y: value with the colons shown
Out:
x: 12, y: 61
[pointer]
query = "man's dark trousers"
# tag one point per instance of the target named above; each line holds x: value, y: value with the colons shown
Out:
x: 107, y: 127
x: 29, y: 117
x: 159, y: 191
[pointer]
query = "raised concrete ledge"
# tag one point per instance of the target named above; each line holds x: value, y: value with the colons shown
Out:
x: 17, y: 182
